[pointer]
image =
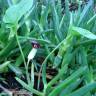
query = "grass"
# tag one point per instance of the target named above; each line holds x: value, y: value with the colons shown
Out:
x: 67, y: 44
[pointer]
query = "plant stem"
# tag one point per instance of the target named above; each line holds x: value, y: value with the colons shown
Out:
x: 27, y: 74
x: 26, y: 65
x: 21, y: 50
x: 44, y: 62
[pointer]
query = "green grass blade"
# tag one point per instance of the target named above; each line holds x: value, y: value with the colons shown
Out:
x: 9, y: 47
x: 67, y: 81
x: 70, y: 88
x: 91, y: 19
x: 84, y: 12
x: 28, y: 87
x: 84, y: 90
x: 15, y: 69
x: 4, y: 65
x: 56, y: 21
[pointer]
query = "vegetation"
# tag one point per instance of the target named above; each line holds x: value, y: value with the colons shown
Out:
x: 65, y: 31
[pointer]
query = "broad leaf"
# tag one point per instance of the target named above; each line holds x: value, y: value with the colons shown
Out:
x: 15, y: 12
x: 80, y: 31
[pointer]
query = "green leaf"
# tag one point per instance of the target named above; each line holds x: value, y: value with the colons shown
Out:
x: 15, y: 12
x: 67, y: 81
x: 15, y: 69
x: 84, y: 61
x: 23, y: 83
x: 84, y: 90
x: 85, y: 11
x: 80, y: 31
x: 58, y: 76
x: 57, y: 61
x: 26, y: 50
x: 41, y: 41
x: 8, y: 48
x: 28, y: 87
x: 4, y: 65
x: 70, y: 88
x: 56, y: 21
x: 91, y: 19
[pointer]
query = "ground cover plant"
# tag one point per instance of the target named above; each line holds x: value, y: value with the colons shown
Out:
x: 47, y: 48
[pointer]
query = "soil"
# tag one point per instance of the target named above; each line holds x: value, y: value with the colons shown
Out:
x: 12, y: 85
